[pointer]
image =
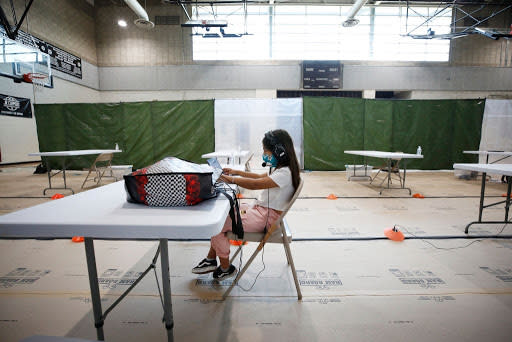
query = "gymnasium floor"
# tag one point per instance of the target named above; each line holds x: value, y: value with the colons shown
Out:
x: 357, y: 285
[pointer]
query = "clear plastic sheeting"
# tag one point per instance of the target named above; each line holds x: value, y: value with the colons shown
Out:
x: 496, y: 129
x: 240, y: 124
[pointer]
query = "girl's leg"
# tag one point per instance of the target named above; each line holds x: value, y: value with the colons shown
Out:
x: 254, y: 220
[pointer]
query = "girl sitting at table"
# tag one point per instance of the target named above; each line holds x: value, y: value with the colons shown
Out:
x: 281, y: 183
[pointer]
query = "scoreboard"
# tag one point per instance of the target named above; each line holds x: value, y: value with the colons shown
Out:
x: 322, y: 75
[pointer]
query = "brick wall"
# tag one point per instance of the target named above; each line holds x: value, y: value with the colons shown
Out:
x: 68, y: 24
x: 130, y: 46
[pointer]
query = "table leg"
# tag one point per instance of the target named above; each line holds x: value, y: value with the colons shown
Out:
x: 389, y: 173
x: 166, y: 285
x: 49, y: 172
x: 50, y: 178
x: 482, y: 193
x: 507, y: 203
x: 95, y: 289
x: 64, y: 173
x: 405, y: 173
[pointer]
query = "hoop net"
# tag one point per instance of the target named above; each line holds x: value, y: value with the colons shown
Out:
x: 37, y: 79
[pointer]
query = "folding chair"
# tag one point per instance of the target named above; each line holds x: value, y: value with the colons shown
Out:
x: 279, y: 232
x: 391, y: 167
x: 102, y: 164
x: 247, y: 163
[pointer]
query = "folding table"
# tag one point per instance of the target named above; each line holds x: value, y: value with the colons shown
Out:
x: 502, y: 154
x: 229, y: 154
x: 388, y: 156
x: 65, y: 154
x: 502, y: 169
x: 104, y: 213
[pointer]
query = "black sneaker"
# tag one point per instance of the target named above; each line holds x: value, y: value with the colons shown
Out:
x: 205, y: 266
x: 219, y: 274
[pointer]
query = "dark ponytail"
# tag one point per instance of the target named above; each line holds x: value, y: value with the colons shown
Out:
x: 282, y: 137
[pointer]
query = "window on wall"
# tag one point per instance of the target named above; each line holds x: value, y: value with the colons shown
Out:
x: 291, y: 32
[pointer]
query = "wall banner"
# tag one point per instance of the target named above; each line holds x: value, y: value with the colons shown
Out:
x: 15, y: 106
x: 60, y: 59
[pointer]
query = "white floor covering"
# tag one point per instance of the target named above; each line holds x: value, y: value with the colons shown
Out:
x: 354, y: 290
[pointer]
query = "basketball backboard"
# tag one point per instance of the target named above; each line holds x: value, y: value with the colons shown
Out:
x: 17, y: 60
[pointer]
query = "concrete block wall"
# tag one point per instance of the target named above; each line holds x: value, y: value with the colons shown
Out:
x: 477, y: 50
x: 132, y: 46
x: 68, y: 24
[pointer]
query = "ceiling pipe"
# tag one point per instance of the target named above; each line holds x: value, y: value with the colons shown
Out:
x: 143, y: 20
x: 351, y: 21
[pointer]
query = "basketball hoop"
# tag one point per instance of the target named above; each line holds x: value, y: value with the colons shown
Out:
x: 37, y: 79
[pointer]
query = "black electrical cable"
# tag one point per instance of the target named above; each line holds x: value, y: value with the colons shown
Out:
x: 263, y: 249
x: 449, y: 248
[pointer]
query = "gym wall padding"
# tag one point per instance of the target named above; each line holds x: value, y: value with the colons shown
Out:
x: 145, y: 131
x: 443, y: 128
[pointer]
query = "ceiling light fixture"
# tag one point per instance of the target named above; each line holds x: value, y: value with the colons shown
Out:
x: 351, y: 21
x: 122, y: 23
x: 143, y: 20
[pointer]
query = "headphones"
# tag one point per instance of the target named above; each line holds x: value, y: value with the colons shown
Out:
x: 278, y: 149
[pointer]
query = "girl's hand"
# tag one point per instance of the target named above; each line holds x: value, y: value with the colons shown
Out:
x: 226, y: 179
x: 228, y: 171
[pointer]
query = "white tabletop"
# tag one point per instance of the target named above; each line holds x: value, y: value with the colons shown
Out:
x: 72, y: 153
x: 104, y: 213
x: 502, y: 169
x: 226, y: 154
x: 382, y: 154
x: 492, y: 153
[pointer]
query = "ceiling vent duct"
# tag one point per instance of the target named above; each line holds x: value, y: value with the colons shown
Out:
x: 205, y: 23
x: 143, y: 20
x: 351, y: 21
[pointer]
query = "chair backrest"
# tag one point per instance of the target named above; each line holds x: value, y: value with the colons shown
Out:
x: 290, y: 203
x: 247, y: 163
x: 104, y: 157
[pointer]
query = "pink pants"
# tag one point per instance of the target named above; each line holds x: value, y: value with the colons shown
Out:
x: 253, y: 219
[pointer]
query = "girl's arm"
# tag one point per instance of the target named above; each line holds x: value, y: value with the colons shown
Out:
x: 245, y: 174
x: 251, y: 183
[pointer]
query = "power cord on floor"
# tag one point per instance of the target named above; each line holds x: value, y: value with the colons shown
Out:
x: 257, y: 275
x: 448, y: 248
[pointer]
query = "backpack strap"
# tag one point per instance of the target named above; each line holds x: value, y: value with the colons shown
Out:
x: 234, y: 213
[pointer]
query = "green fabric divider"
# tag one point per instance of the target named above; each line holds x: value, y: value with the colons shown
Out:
x: 332, y: 125
x: 468, y: 129
x: 137, y: 144
x: 192, y: 129
x: 145, y: 131
x: 425, y: 123
x: 378, y: 128
x: 51, y: 125
x: 443, y: 128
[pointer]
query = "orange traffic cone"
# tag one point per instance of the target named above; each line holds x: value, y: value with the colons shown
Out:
x: 332, y: 197
x: 239, y: 196
x: 57, y: 196
x: 77, y: 239
x: 394, y: 234
x: 237, y: 242
x: 417, y: 195
x: 505, y: 195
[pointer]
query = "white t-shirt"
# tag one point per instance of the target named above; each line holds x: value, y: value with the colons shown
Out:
x: 277, y: 198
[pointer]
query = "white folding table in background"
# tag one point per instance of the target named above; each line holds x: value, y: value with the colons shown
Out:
x: 231, y: 155
x: 502, y: 154
x: 104, y: 213
x: 388, y: 156
x: 64, y: 155
x: 502, y: 169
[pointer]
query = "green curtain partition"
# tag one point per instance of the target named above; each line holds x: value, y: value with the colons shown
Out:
x: 331, y: 125
x: 443, y: 128
x: 145, y: 131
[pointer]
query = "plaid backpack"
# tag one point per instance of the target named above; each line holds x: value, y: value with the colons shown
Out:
x: 170, y: 182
